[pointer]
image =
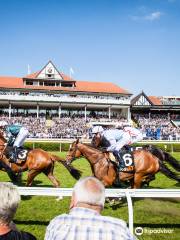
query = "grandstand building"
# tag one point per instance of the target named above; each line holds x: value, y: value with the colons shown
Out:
x: 50, y: 93
x: 152, y: 104
x: 167, y: 106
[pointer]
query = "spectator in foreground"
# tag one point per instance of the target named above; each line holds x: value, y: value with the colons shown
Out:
x: 84, y: 220
x: 9, y: 201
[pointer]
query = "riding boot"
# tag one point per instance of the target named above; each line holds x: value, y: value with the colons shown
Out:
x: 119, y: 158
x: 14, y: 157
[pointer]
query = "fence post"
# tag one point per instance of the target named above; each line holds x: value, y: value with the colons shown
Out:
x: 60, y: 146
x: 130, y: 211
x: 172, y: 149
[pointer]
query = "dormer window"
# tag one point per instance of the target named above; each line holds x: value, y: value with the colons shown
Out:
x: 49, y: 72
x: 29, y: 82
x: 49, y: 76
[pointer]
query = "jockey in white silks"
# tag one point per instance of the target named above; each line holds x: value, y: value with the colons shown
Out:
x: 117, y: 138
x: 16, y: 136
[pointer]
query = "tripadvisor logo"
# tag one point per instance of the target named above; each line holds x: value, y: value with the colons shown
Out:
x: 139, y: 231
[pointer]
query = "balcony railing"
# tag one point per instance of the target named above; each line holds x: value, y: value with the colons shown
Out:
x: 68, y: 99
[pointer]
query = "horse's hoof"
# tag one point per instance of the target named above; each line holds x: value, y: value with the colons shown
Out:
x: 59, y: 198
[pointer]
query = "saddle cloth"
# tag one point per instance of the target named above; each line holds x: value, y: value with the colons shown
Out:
x: 127, y: 163
x: 22, y: 154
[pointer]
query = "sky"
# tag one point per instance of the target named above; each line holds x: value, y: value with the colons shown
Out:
x: 132, y: 43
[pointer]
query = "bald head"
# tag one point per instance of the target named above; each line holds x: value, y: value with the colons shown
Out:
x: 89, y: 191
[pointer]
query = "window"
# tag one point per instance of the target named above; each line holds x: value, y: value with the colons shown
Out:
x: 29, y: 82
x: 49, y: 83
x: 66, y: 84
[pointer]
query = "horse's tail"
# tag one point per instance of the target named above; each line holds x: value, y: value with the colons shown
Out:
x: 11, y: 174
x: 73, y: 171
x: 168, y: 172
x: 165, y: 157
x: 172, y: 161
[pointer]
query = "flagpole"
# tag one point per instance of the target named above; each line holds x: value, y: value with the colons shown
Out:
x: 29, y: 69
x: 71, y: 71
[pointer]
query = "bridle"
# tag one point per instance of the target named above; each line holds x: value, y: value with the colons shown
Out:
x: 4, y: 145
x: 3, y: 149
x: 71, y: 157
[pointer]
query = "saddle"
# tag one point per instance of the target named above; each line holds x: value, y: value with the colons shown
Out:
x: 127, y: 160
x: 22, y: 154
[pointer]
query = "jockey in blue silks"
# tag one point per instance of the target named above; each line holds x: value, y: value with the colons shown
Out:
x: 16, y: 136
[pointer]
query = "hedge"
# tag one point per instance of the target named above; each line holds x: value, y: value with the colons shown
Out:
x: 169, y: 147
x: 48, y: 146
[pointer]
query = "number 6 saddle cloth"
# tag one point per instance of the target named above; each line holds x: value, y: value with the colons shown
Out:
x: 127, y: 160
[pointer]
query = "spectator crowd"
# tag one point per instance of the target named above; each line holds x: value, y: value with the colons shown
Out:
x: 156, y: 126
x: 83, y: 221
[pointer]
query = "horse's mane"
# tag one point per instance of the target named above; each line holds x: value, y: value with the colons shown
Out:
x: 98, y: 150
x: 92, y: 147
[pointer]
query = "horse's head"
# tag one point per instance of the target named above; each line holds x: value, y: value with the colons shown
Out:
x: 2, y: 141
x: 73, y: 152
x: 96, y: 140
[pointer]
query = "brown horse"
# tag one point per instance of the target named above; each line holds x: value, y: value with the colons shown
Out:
x: 38, y: 161
x: 146, y: 165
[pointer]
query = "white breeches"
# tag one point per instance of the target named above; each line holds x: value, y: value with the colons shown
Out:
x: 23, y: 133
x: 128, y: 139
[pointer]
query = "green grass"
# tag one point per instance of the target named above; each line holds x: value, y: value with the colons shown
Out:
x: 35, y: 212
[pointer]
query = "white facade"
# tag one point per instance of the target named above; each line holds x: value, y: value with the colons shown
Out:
x: 48, y: 90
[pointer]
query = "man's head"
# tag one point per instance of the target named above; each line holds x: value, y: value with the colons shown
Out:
x: 90, y: 192
x: 97, y: 129
x: 9, y: 201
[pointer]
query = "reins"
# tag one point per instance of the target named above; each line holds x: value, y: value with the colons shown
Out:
x: 4, y: 145
x: 74, y: 153
x: 97, y: 150
x: 2, y: 151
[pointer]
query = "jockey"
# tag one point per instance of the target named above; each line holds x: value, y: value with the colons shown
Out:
x: 117, y: 138
x: 16, y: 137
x: 133, y: 135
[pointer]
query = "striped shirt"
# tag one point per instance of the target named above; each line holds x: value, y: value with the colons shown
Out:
x: 86, y: 224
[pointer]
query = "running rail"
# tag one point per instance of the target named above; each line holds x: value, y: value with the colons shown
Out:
x: 128, y: 193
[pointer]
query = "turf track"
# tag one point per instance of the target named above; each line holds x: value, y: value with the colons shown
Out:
x: 35, y: 213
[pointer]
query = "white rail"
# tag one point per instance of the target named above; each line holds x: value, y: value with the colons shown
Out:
x: 67, y: 140
x: 128, y: 193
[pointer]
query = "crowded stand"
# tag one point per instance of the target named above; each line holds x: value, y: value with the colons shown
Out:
x: 50, y: 104
x: 65, y: 127
x: 154, y: 127
x: 157, y: 126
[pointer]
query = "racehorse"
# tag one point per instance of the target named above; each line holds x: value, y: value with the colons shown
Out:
x: 38, y: 161
x: 146, y: 165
